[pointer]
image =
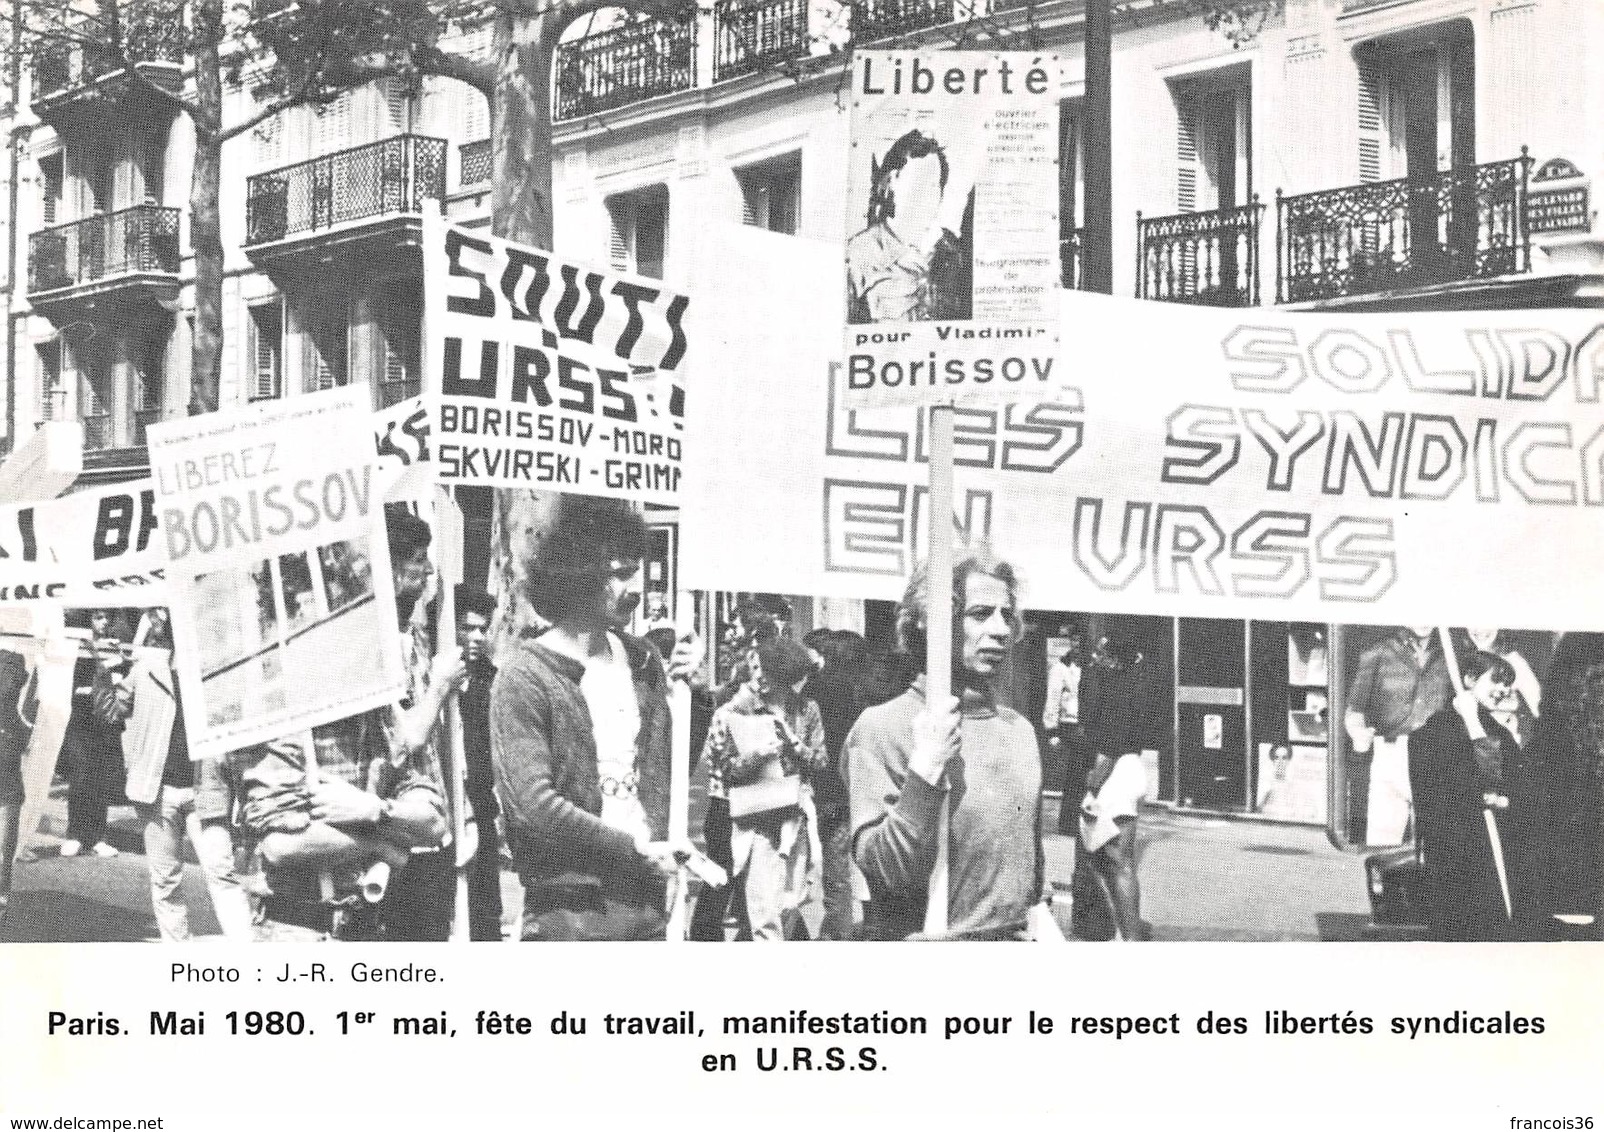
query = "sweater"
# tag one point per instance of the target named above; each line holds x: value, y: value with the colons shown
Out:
x: 995, y: 857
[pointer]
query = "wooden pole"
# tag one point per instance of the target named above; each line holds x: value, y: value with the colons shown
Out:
x: 938, y: 633
x: 679, y: 800
x: 449, y: 528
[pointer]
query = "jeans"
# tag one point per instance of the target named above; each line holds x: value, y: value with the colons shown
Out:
x: 166, y: 822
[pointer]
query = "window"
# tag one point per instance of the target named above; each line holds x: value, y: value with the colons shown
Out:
x: 150, y: 373
x: 1213, y: 144
x: 395, y: 107
x: 153, y: 167
x: 51, y: 184
x: 771, y: 194
x: 400, y: 322
x: 267, y: 350
x: 328, y: 349
x: 52, y: 394
x: 1417, y: 103
x: 640, y: 231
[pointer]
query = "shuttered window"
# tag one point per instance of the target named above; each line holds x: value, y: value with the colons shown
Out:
x: 267, y: 350
x: 51, y: 182
x: 771, y: 194
x: 639, y: 236
x: 1186, y: 157
x: 332, y: 126
x: 1370, y: 132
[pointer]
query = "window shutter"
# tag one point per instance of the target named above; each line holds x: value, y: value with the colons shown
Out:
x: 622, y: 210
x: 395, y: 107
x: 1186, y: 154
x: 267, y: 142
x: 1369, y: 121
x: 751, y: 191
x: 50, y: 173
x: 267, y: 324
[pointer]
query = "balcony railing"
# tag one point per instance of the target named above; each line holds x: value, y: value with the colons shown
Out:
x: 135, y: 240
x: 1069, y: 262
x: 474, y: 162
x: 151, y: 33
x: 1205, y: 258
x: 98, y: 432
x: 754, y: 34
x: 881, y: 19
x: 1462, y: 224
x: 385, y: 178
x: 625, y: 64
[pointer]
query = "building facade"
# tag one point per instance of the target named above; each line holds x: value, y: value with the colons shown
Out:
x: 1358, y: 154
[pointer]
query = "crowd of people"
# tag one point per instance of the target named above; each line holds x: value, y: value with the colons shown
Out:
x: 838, y: 793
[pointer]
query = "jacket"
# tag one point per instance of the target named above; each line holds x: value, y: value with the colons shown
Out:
x: 544, y: 751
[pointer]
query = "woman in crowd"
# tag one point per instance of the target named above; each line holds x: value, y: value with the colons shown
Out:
x: 1523, y: 702
x: 762, y: 749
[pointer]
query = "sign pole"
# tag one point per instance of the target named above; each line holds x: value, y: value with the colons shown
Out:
x: 448, y: 522
x: 1494, y: 841
x: 679, y: 800
x: 938, y: 634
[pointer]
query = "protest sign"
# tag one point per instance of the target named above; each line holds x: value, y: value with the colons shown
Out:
x: 1325, y: 467
x: 401, y: 451
x: 36, y: 667
x: 952, y: 240
x: 91, y: 548
x: 284, y: 605
x: 544, y: 373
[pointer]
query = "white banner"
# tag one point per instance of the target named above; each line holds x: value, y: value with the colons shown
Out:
x: 544, y: 373
x: 91, y: 548
x: 952, y: 246
x: 284, y: 604
x: 36, y: 668
x: 1421, y: 468
x: 401, y: 451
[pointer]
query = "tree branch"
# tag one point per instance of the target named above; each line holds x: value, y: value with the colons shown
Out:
x: 274, y: 107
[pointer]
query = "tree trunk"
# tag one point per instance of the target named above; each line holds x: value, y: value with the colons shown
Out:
x: 512, y: 524
x: 205, y: 216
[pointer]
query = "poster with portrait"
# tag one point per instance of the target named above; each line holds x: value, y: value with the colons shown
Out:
x: 952, y: 253
x: 273, y: 522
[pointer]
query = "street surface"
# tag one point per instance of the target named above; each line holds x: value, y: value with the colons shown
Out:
x: 1202, y: 878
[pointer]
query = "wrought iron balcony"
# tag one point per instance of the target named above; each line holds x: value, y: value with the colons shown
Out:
x: 474, y: 159
x: 625, y: 64
x: 755, y: 34
x: 881, y: 19
x: 386, y: 178
x: 138, y: 240
x: 99, y: 432
x: 151, y: 34
x: 1208, y: 259
x: 1462, y: 224
x: 1069, y: 265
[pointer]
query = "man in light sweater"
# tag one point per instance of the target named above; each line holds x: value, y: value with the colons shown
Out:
x: 899, y: 754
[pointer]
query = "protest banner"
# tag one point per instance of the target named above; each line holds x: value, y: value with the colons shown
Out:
x: 91, y: 548
x: 284, y: 605
x: 952, y: 242
x: 545, y: 373
x: 36, y: 668
x: 1324, y: 467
